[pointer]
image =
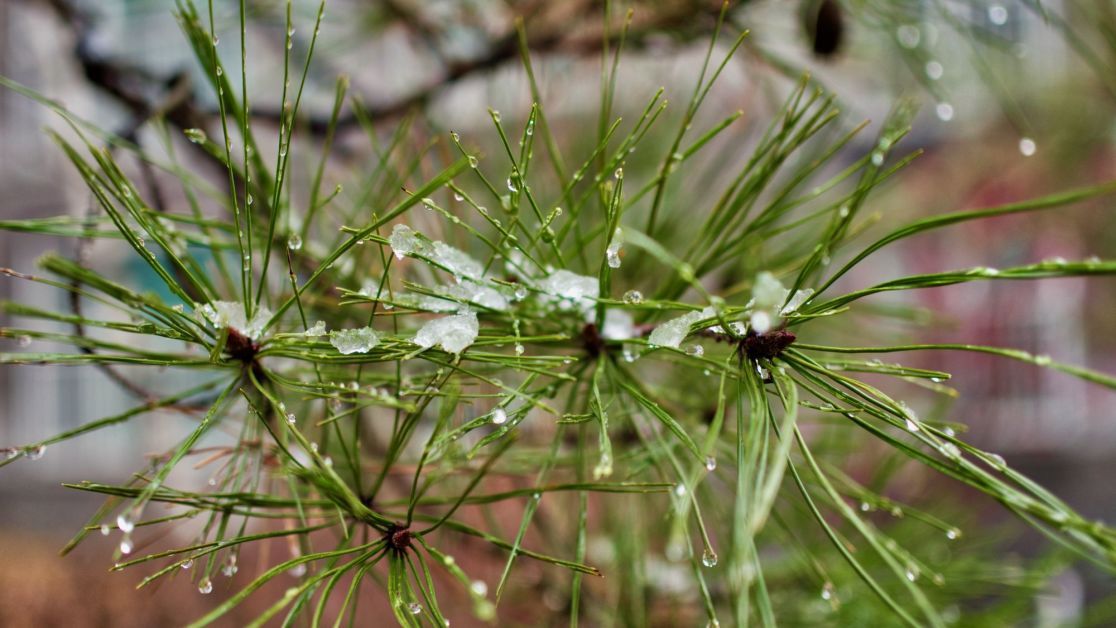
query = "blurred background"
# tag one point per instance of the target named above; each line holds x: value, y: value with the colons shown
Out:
x: 1014, y: 104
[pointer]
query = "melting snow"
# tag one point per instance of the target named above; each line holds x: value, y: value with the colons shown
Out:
x: 770, y: 303
x: 673, y: 332
x: 452, y: 333
x: 231, y: 314
x: 618, y: 325
x: 406, y: 241
x: 348, y: 341
x: 572, y: 288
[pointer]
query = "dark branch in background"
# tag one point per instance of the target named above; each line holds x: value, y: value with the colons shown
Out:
x: 138, y: 89
x: 688, y: 20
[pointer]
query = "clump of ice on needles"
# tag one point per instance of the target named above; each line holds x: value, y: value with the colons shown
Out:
x: 769, y: 302
x: 348, y: 341
x: 618, y: 325
x: 231, y: 314
x: 768, y: 305
x: 453, y: 333
x: 572, y: 289
x: 458, y: 331
x: 406, y: 241
x: 671, y: 333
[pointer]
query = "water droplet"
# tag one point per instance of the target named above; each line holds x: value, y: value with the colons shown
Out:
x: 511, y: 185
x: 36, y: 452
x: 495, y: 115
x: 877, y: 158
x: 105, y: 529
x: 188, y: 564
x: 1027, y: 146
x: 125, y: 524
x: 633, y: 296
x: 680, y: 490
x: 695, y: 350
x: 827, y: 591
x: 499, y: 416
x: 953, y: 533
x: 1042, y: 360
x: 912, y: 426
x: 934, y: 70
x: 912, y: 573
x: 229, y: 569
x: 205, y: 586
x: 197, y: 136
x: 865, y: 506
x: 472, y: 161
x: 997, y: 14
x: 414, y: 608
x: 479, y: 587
x: 294, y: 242
x: 126, y: 545
x: 944, y: 111
x: 297, y: 571
x: 908, y: 35
x: 949, y: 450
x: 709, y: 558
x: 519, y: 349
x: 998, y: 460
x: 710, y: 463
